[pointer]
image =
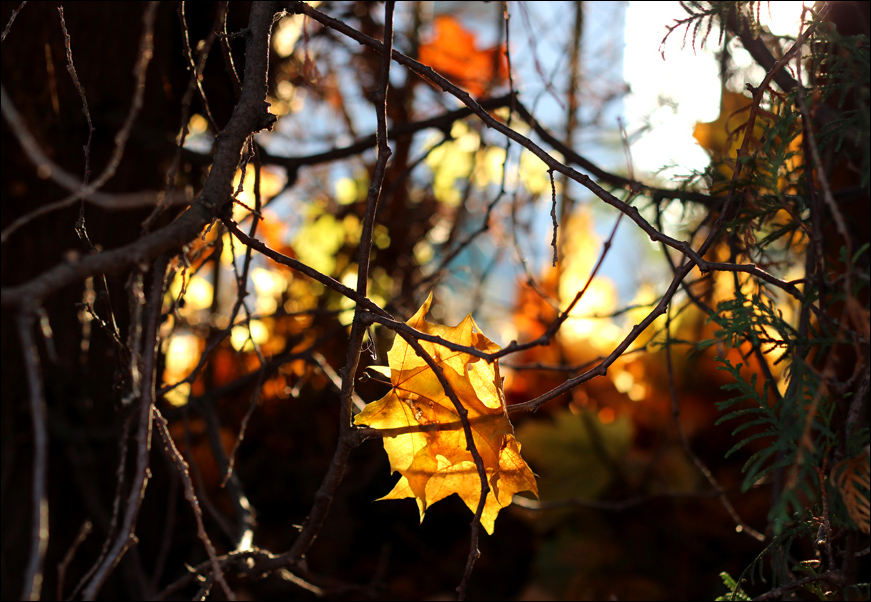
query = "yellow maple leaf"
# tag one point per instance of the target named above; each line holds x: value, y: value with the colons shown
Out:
x: 431, y: 452
x: 723, y: 137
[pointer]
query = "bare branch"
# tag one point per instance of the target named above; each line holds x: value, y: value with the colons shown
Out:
x: 182, y: 468
x: 150, y: 340
x: 32, y: 587
x: 250, y: 115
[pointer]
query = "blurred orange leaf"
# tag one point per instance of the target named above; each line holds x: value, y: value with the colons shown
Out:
x: 436, y: 463
x: 453, y: 52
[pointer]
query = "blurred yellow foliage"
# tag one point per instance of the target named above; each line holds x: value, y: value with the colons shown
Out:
x: 721, y: 137
x: 584, y: 334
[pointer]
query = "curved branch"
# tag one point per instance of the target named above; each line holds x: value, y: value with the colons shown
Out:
x: 250, y: 115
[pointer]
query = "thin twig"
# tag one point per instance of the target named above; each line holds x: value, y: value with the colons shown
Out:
x: 777, y: 592
x: 706, y: 472
x: 194, y: 83
x: 120, y: 479
x: 182, y: 468
x: 150, y: 339
x: 256, y: 563
x: 245, y: 515
x: 463, y: 414
x: 229, y: 64
x: 71, y: 68
x: 14, y: 14
x: 145, y: 54
x: 107, y: 201
x: 64, y: 564
x: 347, y: 438
x: 335, y: 379
x: 169, y: 527
x: 553, y: 216
x: 32, y: 587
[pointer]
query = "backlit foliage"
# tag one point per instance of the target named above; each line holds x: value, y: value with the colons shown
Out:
x: 435, y: 460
